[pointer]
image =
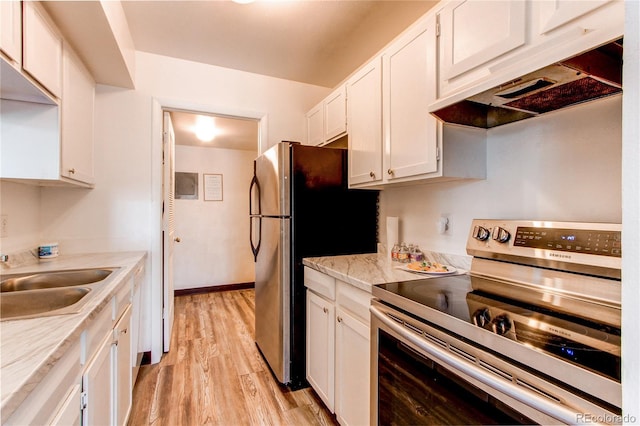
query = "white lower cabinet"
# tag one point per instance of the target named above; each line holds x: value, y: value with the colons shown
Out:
x: 69, y: 414
x: 97, y: 387
x: 106, y: 382
x: 352, y: 369
x: 338, y: 349
x: 121, y: 368
x: 320, y: 347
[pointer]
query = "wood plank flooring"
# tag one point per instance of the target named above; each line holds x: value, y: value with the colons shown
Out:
x: 214, y: 374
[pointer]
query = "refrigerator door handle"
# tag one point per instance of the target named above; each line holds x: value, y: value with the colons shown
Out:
x: 255, y: 248
x: 254, y: 182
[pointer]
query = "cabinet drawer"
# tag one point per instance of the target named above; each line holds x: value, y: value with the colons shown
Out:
x: 121, y: 300
x: 320, y: 283
x: 354, y: 300
x: 94, y: 334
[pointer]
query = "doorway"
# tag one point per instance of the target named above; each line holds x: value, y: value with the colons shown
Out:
x: 204, y: 236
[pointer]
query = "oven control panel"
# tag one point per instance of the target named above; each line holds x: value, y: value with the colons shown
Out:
x: 597, y: 245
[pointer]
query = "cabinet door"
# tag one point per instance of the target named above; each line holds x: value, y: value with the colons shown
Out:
x: 335, y: 114
x: 352, y: 370
x: 121, y: 367
x: 78, y: 92
x: 474, y: 32
x: 315, y: 126
x: 11, y: 29
x: 69, y: 413
x: 42, y: 48
x: 97, y: 386
x: 320, y: 347
x: 555, y: 13
x: 411, y: 133
x: 364, y: 113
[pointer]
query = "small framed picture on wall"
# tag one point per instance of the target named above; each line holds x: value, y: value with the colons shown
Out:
x: 186, y: 186
x: 212, y: 187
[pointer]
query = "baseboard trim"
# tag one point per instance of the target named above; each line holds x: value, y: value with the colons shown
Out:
x: 213, y: 288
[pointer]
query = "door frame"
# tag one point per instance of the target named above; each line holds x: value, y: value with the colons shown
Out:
x: 159, y: 105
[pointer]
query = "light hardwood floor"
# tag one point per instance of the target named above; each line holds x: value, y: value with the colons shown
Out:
x: 214, y: 374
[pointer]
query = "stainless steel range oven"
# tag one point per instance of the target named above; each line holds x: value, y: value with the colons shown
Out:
x: 531, y: 335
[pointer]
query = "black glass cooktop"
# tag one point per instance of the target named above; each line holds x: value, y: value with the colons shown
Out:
x: 585, y: 343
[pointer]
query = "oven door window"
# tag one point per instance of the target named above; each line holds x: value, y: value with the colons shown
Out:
x: 413, y: 390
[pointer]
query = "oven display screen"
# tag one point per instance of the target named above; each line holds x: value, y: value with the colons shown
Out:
x: 602, y: 243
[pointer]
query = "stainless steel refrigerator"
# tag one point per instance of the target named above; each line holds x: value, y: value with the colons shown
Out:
x: 300, y: 206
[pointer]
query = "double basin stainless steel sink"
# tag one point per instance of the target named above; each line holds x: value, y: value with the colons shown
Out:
x: 49, y: 293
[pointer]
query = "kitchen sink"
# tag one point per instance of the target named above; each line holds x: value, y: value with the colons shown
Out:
x: 33, y: 303
x: 49, y: 293
x: 53, y: 279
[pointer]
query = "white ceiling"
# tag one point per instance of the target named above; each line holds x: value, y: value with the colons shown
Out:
x: 318, y: 42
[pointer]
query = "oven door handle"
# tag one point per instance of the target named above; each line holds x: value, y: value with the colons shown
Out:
x: 527, y: 397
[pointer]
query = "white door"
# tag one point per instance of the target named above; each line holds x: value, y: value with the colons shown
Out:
x: 168, y: 228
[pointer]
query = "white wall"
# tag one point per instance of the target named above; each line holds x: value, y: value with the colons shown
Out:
x: 214, y: 235
x: 21, y: 205
x: 563, y: 166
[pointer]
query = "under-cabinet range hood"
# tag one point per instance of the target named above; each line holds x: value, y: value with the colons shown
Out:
x: 592, y: 75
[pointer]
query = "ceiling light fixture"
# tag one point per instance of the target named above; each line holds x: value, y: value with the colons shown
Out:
x: 243, y: 1
x: 205, y: 128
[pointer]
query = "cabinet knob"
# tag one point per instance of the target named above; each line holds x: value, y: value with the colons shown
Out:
x: 389, y: 171
x: 339, y: 319
x: 373, y: 175
x: 177, y: 239
x: 325, y: 310
x: 72, y: 170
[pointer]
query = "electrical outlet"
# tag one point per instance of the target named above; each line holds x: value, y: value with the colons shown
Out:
x: 4, y: 224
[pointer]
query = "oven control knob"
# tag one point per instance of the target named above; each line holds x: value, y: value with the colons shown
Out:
x: 481, y: 317
x: 480, y: 233
x: 501, y: 324
x: 501, y: 235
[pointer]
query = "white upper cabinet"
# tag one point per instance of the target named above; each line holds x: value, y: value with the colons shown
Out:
x: 364, y: 114
x: 42, y: 48
x: 392, y: 137
x: 315, y: 125
x: 78, y: 93
x: 335, y: 113
x: 328, y: 120
x: 409, y: 86
x: 11, y: 30
x: 477, y: 31
x: 556, y: 13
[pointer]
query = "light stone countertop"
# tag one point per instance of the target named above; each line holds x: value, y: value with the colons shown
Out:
x: 366, y: 270
x: 30, y: 348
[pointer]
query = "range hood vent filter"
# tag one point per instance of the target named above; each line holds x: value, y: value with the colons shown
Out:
x: 589, y: 76
x: 575, y: 92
